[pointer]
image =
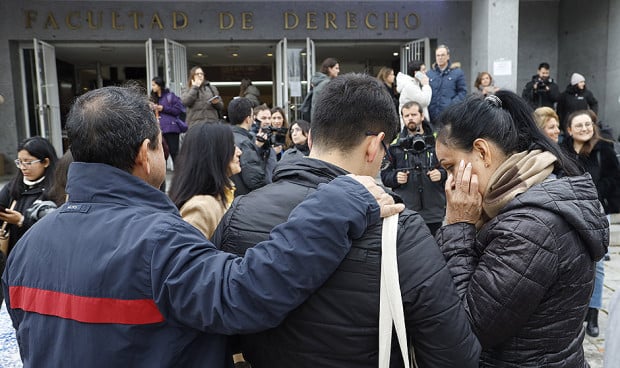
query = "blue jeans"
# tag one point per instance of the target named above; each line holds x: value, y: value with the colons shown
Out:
x: 597, y: 295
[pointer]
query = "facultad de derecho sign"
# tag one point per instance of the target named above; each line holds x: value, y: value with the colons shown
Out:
x: 135, y: 20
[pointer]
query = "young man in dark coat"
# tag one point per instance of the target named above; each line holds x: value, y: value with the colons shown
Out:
x: 542, y: 89
x: 338, y: 325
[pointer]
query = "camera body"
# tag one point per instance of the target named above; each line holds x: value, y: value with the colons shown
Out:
x: 423, y: 149
x: 275, y: 136
x: 417, y: 143
x: 541, y: 83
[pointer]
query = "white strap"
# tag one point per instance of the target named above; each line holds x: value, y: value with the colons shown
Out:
x: 391, y: 302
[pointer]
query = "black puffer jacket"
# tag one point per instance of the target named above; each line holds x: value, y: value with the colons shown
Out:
x: 526, y: 277
x: 338, y: 325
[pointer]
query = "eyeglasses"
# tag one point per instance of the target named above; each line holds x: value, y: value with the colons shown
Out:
x: 580, y: 126
x: 199, y: 73
x: 25, y: 164
x: 387, y: 158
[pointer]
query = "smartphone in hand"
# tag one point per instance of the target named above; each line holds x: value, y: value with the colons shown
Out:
x: 213, y: 98
x: 419, y: 75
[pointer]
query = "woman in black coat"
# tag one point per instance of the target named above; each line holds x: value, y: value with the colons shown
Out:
x: 575, y: 97
x: 524, y: 230
x: 597, y: 157
x: 25, y: 196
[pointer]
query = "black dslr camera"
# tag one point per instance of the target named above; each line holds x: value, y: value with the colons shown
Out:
x: 541, y: 83
x: 275, y: 136
x: 416, y: 143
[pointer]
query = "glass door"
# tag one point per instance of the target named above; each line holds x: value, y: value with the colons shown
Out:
x: 175, y: 56
x: 415, y: 50
x: 47, y: 105
x: 294, y: 68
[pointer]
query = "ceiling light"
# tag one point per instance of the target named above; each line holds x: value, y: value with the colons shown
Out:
x: 234, y: 54
x: 395, y: 54
x: 269, y: 54
x: 200, y: 54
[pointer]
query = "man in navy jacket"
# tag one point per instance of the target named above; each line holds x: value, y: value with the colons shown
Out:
x: 116, y: 278
x: 447, y: 82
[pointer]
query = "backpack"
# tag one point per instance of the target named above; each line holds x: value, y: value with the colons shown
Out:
x: 306, y: 107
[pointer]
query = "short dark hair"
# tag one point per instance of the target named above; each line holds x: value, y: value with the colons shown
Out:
x: 349, y: 106
x: 408, y: 105
x: 42, y: 149
x: 202, y: 165
x: 505, y: 119
x: 108, y: 125
x: 544, y: 65
x: 303, y: 125
x: 239, y: 109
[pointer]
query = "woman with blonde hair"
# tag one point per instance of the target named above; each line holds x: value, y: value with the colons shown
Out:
x: 548, y: 121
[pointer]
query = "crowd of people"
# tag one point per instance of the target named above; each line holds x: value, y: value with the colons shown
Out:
x: 265, y: 249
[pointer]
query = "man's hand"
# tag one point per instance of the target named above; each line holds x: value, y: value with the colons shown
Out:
x: 402, y: 177
x: 434, y: 175
x: 385, y: 201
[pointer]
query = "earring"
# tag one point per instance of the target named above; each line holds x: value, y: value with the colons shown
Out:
x: 486, y: 164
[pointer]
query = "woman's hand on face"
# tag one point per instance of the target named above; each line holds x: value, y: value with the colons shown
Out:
x: 10, y: 216
x: 463, y: 201
x: 196, y: 82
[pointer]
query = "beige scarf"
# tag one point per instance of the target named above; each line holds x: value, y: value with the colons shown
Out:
x: 514, y: 176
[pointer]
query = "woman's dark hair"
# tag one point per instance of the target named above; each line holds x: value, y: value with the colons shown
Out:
x: 42, y: 149
x: 414, y: 66
x: 203, y: 162
x: 57, y: 192
x: 505, y: 119
x: 328, y: 63
x: 162, y: 86
x: 588, y: 146
x: 304, y: 125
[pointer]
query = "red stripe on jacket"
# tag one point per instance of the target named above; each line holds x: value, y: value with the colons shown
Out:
x: 85, y: 309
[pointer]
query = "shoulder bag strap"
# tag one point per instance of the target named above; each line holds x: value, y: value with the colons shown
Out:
x: 391, y: 302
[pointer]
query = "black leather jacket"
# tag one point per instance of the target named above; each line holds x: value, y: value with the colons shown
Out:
x: 338, y: 325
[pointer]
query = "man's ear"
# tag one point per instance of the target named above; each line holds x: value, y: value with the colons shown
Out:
x: 375, y: 148
x: 309, y: 142
x: 142, y: 164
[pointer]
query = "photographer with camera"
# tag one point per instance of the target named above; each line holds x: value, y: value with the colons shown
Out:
x: 414, y: 172
x: 542, y: 89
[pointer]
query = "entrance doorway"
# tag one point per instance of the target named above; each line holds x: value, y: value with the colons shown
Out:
x: 273, y: 66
